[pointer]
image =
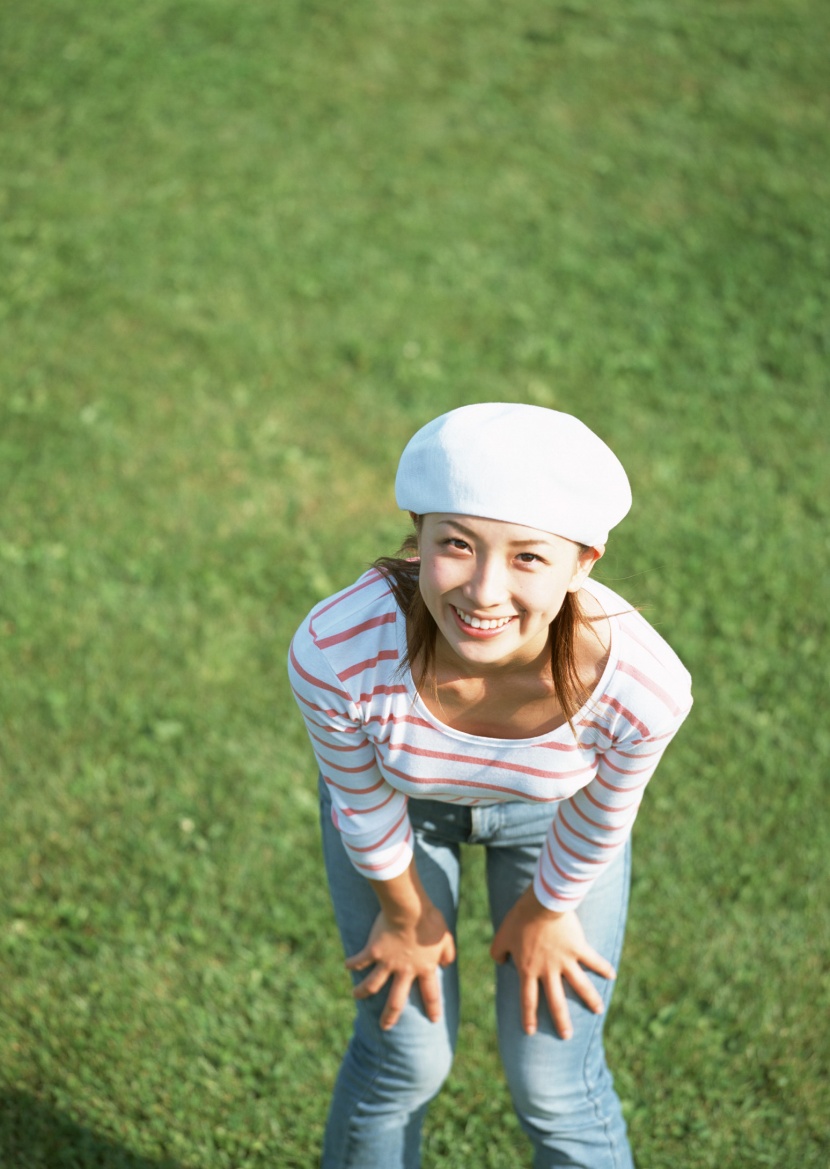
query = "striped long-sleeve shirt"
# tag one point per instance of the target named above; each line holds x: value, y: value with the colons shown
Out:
x: 377, y: 744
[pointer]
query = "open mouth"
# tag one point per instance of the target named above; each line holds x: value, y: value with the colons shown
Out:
x: 483, y: 625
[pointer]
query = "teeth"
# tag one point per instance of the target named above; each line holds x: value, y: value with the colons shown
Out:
x: 477, y: 623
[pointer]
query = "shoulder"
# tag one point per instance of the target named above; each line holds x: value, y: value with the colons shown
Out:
x: 647, y: 672
x: 369, y: 597
x: 347, y: 627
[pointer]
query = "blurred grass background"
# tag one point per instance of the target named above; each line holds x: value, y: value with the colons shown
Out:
x: 245, y: 251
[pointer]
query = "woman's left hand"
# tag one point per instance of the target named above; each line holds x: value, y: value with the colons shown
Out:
x: 549, y: 948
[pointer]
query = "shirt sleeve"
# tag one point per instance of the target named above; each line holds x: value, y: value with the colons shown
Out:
x: 370, y: 815
x: 591, y: 828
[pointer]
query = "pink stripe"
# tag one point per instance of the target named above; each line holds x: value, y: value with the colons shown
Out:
x: 357, y: 791
x: 622, y: 771
x: 381, y: 690
x: 626, y: 823
x: 404, y: 847
x: 639, y: 754
x: 349, y: 812
x: 594, y: 823
x: 337, y: 638
x: 555, y: 746
x: 584, y: 793
x: 384, y: 720
x: 627, y: 715
x: 587, y: 839
x: 383, y: 839
x: 337, y: 746
x: 650, y: 684
x: 477, y: 761
x: 552, y: 892
x: 344, y: 730
x: 585, y: 860
x: 456, y: 783
x: 668, y: 735
x: 385, y: 655
x: 622, y: 790
x: 317, y: 682
x: 348, y: 770
x: 591, y: 726
x: 561, y: 872
x: 370, y: 578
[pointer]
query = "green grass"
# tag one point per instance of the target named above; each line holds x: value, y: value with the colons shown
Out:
x: 245, y: 250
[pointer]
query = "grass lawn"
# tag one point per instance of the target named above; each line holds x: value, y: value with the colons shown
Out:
x: 245, y: 251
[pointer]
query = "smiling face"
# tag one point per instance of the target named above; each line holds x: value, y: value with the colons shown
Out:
x: 493, y: 588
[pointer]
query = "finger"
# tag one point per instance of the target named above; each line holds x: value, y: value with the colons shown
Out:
x: 529, y: 993
x: 431, y: 995
x: 498, y: 952
x: 398, y: 998
x: 448, y: 955
x: 359, y: 961
x: 558, y: 1006
x: 594, y: 961
x: 585, y: 989
x: 372, y: 983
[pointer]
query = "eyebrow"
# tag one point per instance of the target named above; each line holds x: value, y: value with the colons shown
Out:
x: 540, y: 543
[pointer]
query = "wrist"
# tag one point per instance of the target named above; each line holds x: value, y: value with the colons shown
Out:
x: 537, y: 907
x: 403, y: 899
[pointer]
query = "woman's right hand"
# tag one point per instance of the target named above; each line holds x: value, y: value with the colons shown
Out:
x: 405, y: 949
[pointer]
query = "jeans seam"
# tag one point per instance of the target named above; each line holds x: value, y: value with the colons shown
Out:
x: 598, y: 1029
x: 351, y: 1135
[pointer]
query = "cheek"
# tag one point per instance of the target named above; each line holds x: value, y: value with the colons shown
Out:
x: 437, y: 576
x: 544, y: 598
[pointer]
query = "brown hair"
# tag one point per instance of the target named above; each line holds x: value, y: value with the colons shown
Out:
x: 402, y: 573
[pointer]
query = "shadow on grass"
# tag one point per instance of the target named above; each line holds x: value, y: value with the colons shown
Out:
x: 35, y: 1136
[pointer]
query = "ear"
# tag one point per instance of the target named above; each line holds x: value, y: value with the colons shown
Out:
x: 416, y: 523
x: 584, y: 563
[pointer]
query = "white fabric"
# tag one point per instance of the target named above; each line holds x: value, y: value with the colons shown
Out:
x: 378, y: 746
x: 518, y: 463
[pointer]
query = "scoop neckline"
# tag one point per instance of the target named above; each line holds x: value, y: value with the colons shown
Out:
x: 425, y: 712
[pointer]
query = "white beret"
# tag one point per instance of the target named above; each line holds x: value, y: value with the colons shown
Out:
x: 522, y: 464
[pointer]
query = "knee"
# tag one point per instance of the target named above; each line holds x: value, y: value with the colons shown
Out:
x: 409, y: 1063
x: 556, y: 1086
x: 393, y: 1078
x: 427, y: 1068
x: 549, y: 1079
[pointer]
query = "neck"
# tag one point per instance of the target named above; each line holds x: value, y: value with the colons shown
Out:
x: 535, y: 665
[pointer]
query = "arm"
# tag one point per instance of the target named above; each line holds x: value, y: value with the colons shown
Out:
x: 542, y: 932
x: 410, y: 938
x: 592, y: 827
x: 369, y: 814
x: 409, y: 941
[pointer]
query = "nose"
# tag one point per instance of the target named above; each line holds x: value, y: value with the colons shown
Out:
x: 487, y: 586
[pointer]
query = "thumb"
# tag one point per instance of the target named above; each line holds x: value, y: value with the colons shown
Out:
x: 448, y: 953
x: 498, y: 951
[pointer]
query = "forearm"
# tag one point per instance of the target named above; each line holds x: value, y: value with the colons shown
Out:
x: 403, y: 899
x: 531, y: 907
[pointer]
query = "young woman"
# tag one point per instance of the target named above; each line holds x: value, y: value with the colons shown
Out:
x: 486, y: 691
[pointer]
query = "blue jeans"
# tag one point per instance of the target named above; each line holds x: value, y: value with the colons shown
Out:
x: 562, y: 1091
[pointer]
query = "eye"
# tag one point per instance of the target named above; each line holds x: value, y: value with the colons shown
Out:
x: 529, y: 558
x: 455, y: 542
